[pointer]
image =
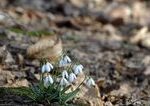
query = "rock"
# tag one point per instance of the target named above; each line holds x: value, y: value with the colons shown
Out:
x: 83, y: 3
x: 2, y: 17
x: 118, y: 11
x: 6, y: 77
x: 141, y: 13
x: 115, y: 14
x: 20, y: 59
x: 3, y: 53
x: 6, y: 20
x: 147, y: 71
x: 141, y: 34
x: 5, y: 56
x: 123, y: 90
x: 9, y: 59
x: 19, y: 74
x: 146, y: 60
x: 47, y: 47
x: 133, y: 68
x: 146, y: 42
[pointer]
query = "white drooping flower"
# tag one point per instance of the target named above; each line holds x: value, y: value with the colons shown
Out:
x: 90, y: 82
x: 47, y: 67
x: 65, y: 74
x: 64, y: 61
x: 78, y: 69
x: 48, y: 80
x: 43, y: 69
x: 50, y: 65
x: 61, y: 63
x: 64, y: 82
x: 67, y: 59
x: 72, y: 77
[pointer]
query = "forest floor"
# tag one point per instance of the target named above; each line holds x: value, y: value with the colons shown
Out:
x: 111, y: 38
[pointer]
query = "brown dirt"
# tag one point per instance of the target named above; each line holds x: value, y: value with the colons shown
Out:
x: 110, y: 38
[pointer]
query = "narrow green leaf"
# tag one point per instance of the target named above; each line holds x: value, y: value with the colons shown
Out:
x: 65, y: 89
x: 70, y: 95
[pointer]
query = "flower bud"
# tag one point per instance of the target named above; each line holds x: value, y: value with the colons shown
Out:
x: 67, y: 59
x: 78, y: 69
x: 48, y: 80
x: 90, y: 82
x: 72, y: 77
x: 64, y: 61
x: 65, y: 74
x: 64, y: 82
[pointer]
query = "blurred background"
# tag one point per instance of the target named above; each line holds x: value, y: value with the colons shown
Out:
x: 111, y: 38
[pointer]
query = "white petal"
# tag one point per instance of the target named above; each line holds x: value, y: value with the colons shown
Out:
x: 90, y: 82
x: 48, y: 80
x: 50, y: 65
x: 65, y: 74
x: 75, y: 69
x: 78, y: 69
x: 61, y: 63
x: 43, y: 69
x: 64, y: 82
x: 67, y: 59
x: 47, y: 68
x: 81, y: 66
x: 72, y: 77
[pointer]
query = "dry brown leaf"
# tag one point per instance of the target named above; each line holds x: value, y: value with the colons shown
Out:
x: 47, y: 47
x: 141, y: 34
x: 18, y: 83
x: 87, y: 96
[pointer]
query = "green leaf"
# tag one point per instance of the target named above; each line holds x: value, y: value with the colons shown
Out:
x: 69, y: 96
x: 65, y: 89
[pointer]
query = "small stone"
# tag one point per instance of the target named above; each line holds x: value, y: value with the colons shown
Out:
x: 3, y: 52
x: 147, y: 71
x: 108, y: 103
x: 146, y: 41
x: 9, y: 59
x: 20, y: 59
x: 6, y: 77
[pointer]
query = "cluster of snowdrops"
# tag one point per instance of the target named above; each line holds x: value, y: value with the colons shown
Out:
x: 67, y: 77
x: 56, y: 81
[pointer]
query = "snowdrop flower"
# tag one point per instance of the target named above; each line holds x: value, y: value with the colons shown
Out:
x: 43, y: 68
x: 65, y: 74
x: 48, y: 80
x: 64, y: 61
x: 64, y: 82
x: 67, y: 59
x: 50, y: 65
x: 47, y: 67
x: 78, y: 69
x: 72, y: 77
x: 90, y: 82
